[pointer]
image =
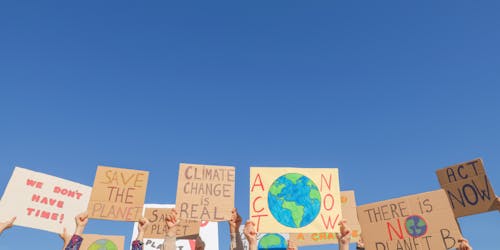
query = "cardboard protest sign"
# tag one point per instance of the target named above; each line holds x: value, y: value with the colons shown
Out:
x: 272, y: 241
x: 205, y: 192
x: 468, y: 188
x: 102, y: 242
x: 43, y: 201
x: 118, y: 194
x: 158, y: 228
x: 348, y: 204
x: 295, y: 200
x: 208, y: 231
x: 422, y: 221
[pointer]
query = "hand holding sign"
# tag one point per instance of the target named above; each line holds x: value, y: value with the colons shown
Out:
x: 344, y: 236
x: 81, y: 221
x: 65, y: 237
x: 142, y: 226
x: 7, y: 224
x: 250, y: 234
x: 235, y: 221
x: 172, y: 223
x: 463, y: 244
x: 292, y: 245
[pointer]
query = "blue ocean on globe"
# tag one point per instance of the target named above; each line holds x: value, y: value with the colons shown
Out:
x: 272, y: 242
x: 294, y: 200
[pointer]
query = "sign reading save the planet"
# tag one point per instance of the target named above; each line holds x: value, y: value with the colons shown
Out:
x: 292, y: 200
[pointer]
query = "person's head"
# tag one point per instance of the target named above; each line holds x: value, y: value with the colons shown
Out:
x: 200, y: 244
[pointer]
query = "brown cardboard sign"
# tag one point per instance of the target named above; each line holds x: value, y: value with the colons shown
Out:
x: 348, y: 206
x: 205, y: 192
x: 421, y: 221
x: 187, y: 229
x: 468, y: 188
x: 108, y: 242
x: 118, y: 194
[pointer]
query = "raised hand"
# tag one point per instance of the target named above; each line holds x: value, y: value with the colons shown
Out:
x: 234, y: 222
x: 344, y: 236
x: 463, y: 244
x: 81, y: 221
x: 250, y: 233
x: 143, y: 224
x: 292, y: 245
x: 7, y: 224
x: 66, y: 237
x: 172, y: 221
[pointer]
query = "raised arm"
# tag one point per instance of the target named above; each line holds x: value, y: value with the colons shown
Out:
x: 463, y: 244
x: 292, y: 245
x: 360, y: 245
x: 7, y: 224
x: 142, y: 226
x: 171, y: 235
x: 234, y: 225
x: 344, y: 236
x: 75, y: 242
x: 251, y: 235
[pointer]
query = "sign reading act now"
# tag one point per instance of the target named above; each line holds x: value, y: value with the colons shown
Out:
x: 467, y: 187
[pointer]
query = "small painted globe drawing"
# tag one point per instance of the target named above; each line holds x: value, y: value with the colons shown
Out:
x: 294, y: 200
x: 272, y: 242
x: 416, y: 226
x: 103, y: 244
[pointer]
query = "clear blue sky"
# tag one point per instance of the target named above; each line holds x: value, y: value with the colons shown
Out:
x: 387, y: 91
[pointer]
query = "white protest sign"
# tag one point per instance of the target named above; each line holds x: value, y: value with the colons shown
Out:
x: 43, y: 201
x: 209, y: 233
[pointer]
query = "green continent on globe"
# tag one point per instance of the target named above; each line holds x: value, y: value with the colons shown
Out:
x: 294, y: 200
x: 103, y: 244
x: 272, y: 241
x: 296, y: 210
x: 276, y: 189
x: 293, y: 177
x: 314, y: 194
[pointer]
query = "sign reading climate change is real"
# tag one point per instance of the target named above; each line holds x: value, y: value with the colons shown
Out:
x: 43, y: 201
x: 422, y: 221
x: 295, y: 200
x: 205, y: 192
